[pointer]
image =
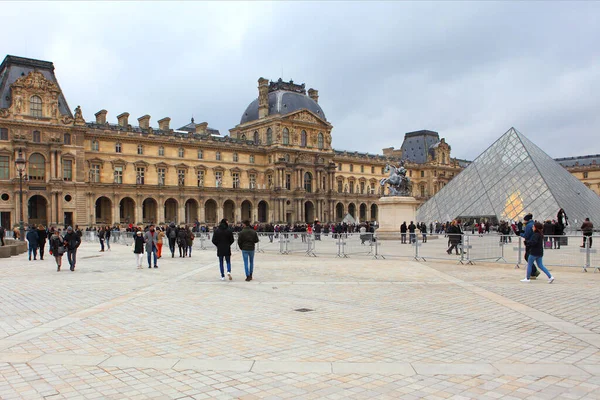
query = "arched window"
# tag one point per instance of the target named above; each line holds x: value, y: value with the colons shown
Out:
x: 255, y: 137
x: 308, y: 182
x: 236, y: 157
x: 320, y: 140
x: 161, y: 151
x: 67, y: 138
x: 35, y: 106
x: 303, y: 139
x: 117, y: 147
x: 200, y: 154
x: 95, y: 145
x: 37, y: 167
x: 140, y: 149
x: 243, y: 137
x: 218, y: 156
x: 269, y: 136
x: 181, y: 152
x: 286, y: 136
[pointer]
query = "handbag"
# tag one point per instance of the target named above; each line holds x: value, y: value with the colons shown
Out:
x: 60, y: 250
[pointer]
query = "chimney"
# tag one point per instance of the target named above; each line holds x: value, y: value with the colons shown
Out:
x: 123, y: 119
x: 313, y: 94
x: 144, y: 121
x: 263, y: 97
x: 163, y: 124
x: 201, y: 128
x: 101, y: 117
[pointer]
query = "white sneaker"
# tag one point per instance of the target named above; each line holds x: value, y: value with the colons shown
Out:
x: 551, y: 279
x: 222, y: 278
x: 229, y: 275
x: 525, y: 280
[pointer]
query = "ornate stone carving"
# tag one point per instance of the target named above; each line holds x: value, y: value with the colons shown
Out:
x: 305, y: 117
x: 35, y: 80
x: 4, y: 113
x: 78, y: 116
x: 287, y: 86
x: 67, y: 120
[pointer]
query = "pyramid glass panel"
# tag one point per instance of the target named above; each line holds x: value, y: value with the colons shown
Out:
x: 511, y: 178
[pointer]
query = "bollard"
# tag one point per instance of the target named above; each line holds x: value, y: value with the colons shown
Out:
x: 310, y: 243
x: 416, y: 244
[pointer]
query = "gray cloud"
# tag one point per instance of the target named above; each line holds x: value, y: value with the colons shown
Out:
x: 469, y: 70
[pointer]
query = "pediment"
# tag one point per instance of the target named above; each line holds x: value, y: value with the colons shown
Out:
x: 306, y: 116
x: 35, y: 81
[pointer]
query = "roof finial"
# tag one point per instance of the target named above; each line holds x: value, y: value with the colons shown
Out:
x: 192, y: 118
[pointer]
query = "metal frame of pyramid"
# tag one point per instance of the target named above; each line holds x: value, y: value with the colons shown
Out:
x: 511, y: 178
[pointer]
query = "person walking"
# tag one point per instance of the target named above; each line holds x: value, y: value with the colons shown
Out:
x: 72, y: 242
x: 151, y: 240
x: 527, y: 234
x: 56, y: 247
x: 536, y: 252
x: 423, y: 230
x: 247, y: 240
x: 107, y: 237
x: 189, y: 241
x: 587, y: 229
x: 101, y: 238
x: 138, y: 248
x: 172, y: 235
x: 223, y: 239
x: 32, y: 239
x: 42, y: 237
x: 161, y: 238
x: 182, y: 241
x: 454, y: 236
x: 2, y: 234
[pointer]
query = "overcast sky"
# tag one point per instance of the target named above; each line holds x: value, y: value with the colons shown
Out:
x: 468, y: 70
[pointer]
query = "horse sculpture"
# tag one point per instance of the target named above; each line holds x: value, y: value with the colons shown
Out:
x: 399, y: 183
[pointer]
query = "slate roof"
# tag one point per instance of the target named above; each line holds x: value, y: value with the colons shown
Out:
x: 416, y: 145
x: 191, y: 127
x: 12, y: 68
x: 283, y: 102
x: 581, y: 161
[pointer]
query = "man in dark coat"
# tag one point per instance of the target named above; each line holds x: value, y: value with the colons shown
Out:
x: 454, y: 236
x: 247, y: 239
x: 403, y: 230
x: 223, y: 239
x: 411, y: 232
x: 33, y: 239
x: 527, y: 234
x: 42, y: 237
x: 172, y: 236
x: 72, y: 242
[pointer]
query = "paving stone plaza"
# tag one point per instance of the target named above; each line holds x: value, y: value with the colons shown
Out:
x: 388, y: 328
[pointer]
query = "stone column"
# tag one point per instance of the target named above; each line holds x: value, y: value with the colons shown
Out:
x: 138, y: 214
x: 116, y: 212
x: 59, y: 208
x: 52, y: 164
x: 181, y: 210
x: 219, y: 211
x: 160, y: 212
x: 201, y: 212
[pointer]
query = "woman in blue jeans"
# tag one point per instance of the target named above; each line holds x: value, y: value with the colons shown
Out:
x: 536, y: 252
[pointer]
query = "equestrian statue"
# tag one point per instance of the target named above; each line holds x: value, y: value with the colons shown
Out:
x: 398, y: 183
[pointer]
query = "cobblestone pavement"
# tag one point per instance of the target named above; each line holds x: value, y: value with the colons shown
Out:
x: 393, y: 328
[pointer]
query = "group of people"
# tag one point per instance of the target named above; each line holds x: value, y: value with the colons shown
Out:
x: 58, y: 244
x: 412, y: 234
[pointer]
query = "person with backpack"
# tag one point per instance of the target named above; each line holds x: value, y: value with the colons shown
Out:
x: 56, y: 248
x: 172, y: 234
x: 223, y: 239
x: 536, y: 252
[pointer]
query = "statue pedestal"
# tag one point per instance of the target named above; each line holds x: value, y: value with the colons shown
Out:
x: 393, y: 211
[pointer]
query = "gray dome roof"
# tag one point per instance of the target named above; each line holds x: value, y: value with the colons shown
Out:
x: 283, y: 102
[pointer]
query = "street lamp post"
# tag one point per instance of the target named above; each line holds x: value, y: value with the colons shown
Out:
x: 20, y: 164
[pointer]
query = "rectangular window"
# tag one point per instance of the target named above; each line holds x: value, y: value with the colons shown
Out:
x: 340, y: 186
x: 339, y: 166
x: 68, y: 170
x: 140, y: 173
x: 351, y: 167
x: 288, y: 181
x: 422, y: 174
x: 252, y: 181
x: 585, y: 175
x: 4, y: 167
x: 162, y: 174
x: 37, y: 136
x: 181, y: 177
x: 351, y: 187
x: 95, y: 173
x: 3, y: 133
x: 236, y: 180
x: 362, y: 168
x: 218, y: 179
x: 372, y: 170
x: 200, y: 154
x: 200, y: 176
x: 251, y: 158
x: 434, y: 172
x: 362, y: 188
x: 118, y: 174
x: 382, y: 170
x: 270, y: 181
x: 372, y: 188
x: 67, y: 139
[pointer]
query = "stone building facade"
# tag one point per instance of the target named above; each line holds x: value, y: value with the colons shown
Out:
x: 585, y: 168
x: 276, y: 165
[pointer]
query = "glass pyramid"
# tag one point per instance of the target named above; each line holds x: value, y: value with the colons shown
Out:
x: 511, y: 178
